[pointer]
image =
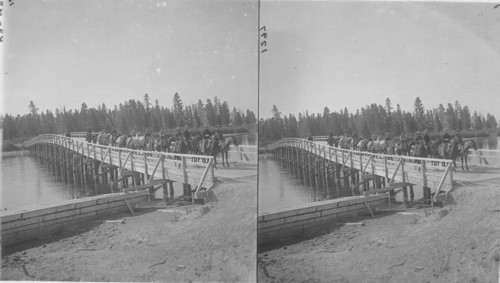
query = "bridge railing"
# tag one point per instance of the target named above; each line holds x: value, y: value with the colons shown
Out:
x: 428, y: 172
x: 196, y: 170
x: 237, y: 154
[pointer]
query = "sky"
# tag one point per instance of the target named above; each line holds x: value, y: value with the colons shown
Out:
x: 351, y: 54
x: 63, y: 53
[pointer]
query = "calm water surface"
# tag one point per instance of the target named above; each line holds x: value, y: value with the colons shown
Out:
x: 278, y: 188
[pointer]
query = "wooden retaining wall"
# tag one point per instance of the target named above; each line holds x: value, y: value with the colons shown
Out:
x: 273, y: 226
x: 22, y: 225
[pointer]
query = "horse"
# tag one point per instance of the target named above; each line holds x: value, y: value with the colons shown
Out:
x: 121, y: 141
x: 363, y: 145
x: 103, y: 138
x: 88, y: 137
x: 348, y: 142
x: 333, y: 141
x: 112, y: 138
x: 194, y: 145
x: 205, y: 147
x: 180, y: 146
x: 434, y: 148
x: 402, y: 147
x: 457, y: 150
x: 140, y: 142
x: 224, y: 148
x: 419, y: 149
x: 379, y: 146
x: 215, y: 144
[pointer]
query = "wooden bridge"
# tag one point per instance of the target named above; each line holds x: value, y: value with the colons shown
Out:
x: 317, y: 163
x: 82, y: 160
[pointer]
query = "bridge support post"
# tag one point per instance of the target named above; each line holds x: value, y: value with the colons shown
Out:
x: 310, y: 169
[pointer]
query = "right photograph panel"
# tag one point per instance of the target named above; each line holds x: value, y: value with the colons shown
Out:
x: 378, y: 142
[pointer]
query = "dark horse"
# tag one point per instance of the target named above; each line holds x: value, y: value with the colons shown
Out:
x: 457, y: 150
x: 88, y: 137
x: 419, y: 150
x: 403, y: 147
x: 224, y: 148
x: 180, y: 146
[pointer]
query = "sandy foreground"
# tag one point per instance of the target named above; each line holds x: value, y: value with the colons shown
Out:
x: 169, y: 244
x: 457, y: 243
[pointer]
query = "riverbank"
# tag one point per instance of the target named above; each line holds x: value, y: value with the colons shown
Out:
x: 215, y: 242
x: 457, y: 243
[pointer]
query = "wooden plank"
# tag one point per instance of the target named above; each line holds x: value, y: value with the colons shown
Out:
x: 129, y: 173
x: 392, y: 186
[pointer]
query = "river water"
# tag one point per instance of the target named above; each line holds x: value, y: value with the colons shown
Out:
x: 29, y: 181
x: 278, y: 188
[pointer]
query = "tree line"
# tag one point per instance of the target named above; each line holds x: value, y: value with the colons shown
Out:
x: 374, y: 121
x: 140, y: 116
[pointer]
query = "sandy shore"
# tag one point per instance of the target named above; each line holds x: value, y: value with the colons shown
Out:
x: 171, y: 244
x: 457, y: 243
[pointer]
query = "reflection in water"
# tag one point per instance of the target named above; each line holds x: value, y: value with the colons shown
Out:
x: 278, y: 188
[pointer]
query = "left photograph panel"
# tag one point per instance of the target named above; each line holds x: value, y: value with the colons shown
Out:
x: 129, y: 141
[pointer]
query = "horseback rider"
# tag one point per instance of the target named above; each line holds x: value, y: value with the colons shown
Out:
x: 187, y: 135
x: 387, y: 137
x: 218, y: 134
x: 310, y: 138
x: 355, y: 136
x: 330, y: 139
x: 427, y: 139
x: 458, y: 137
x: 178, y: 133
x: 446, y: 137
x: 206, y: 134
x: 418, y: 137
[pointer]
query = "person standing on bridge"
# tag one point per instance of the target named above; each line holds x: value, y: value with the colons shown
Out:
x: 330, y: 139
x: 88, y: 136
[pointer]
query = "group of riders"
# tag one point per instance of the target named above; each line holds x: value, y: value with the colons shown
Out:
x: 182, y: 142
x: 420, y: 145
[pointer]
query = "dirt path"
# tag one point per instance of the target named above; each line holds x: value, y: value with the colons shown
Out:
x: 457, y: 243
x: 169, y: 245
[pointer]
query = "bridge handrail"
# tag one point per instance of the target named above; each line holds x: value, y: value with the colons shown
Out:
x: 290, y: 141
x: 77, y: 145
x: 393, y: 167
x: 51, y: 137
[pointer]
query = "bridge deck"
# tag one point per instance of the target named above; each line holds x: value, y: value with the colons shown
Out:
x: 184, y: 168
x: 433, y: 173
